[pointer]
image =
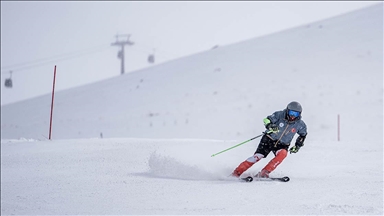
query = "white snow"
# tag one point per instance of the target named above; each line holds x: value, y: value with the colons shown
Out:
x: 161, y: 125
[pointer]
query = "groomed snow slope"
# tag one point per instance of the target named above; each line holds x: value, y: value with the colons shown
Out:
x: 178, y: 176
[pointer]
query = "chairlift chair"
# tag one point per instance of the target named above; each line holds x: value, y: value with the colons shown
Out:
x: 8, y: 81
x: 151, y: 58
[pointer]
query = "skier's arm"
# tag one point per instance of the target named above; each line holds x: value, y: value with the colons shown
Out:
x: 270, y: 122
x: 302, y: 132
x: 300, y: 139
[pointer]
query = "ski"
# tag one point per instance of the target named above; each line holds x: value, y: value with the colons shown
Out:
x: 250, y: 179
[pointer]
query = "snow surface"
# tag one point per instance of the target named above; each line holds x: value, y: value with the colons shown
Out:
x: 161, y: 125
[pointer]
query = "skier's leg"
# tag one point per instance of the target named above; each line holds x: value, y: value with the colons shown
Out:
x: 247, y: 164
x: 262, y: 151
x: 280, y: 155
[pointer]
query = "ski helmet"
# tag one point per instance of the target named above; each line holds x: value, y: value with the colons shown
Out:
x: 294, y: 110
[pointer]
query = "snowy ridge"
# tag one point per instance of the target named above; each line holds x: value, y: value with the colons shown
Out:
x: 223, y: 93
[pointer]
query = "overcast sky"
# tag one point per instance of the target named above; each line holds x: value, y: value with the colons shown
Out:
x: 77, y: 36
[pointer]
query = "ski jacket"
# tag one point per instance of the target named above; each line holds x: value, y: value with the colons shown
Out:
x: 287, y: 129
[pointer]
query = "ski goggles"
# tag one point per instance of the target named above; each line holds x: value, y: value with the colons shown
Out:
x: 293, y: 113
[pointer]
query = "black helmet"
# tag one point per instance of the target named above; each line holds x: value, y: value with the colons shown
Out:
x: 293, y: 110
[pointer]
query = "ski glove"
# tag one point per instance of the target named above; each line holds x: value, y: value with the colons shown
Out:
x: 273, y: 128
x: 294, y: 149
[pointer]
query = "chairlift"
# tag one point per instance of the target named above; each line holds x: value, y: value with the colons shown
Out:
x: 151, y: 58
x: 8, y: 81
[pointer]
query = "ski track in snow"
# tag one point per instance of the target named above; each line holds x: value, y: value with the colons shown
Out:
x: 167, y: 167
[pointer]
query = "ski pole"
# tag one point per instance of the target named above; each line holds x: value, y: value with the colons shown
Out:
x: 237, y: 145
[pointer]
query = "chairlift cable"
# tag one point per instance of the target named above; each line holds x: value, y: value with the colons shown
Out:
x: 43, y: 61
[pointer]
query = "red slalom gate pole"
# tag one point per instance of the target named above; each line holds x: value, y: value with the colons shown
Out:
x: 338, y: 127
x: 53, y: 96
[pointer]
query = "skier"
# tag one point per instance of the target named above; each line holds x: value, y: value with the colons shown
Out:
x: 281, y: 127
